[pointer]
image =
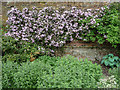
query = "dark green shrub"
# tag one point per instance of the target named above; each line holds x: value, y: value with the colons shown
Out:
x: 20, y: 50
x: 115, y: 6
x: 10, y: 45
x: 66, y: 72
x: 108, y: 27
x: 16, y: 57
x: 111, y: 60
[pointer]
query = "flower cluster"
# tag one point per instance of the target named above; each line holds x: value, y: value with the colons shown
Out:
x: 108, y: 83
x: 50, y: 27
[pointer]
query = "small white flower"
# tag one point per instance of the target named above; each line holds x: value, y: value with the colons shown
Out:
x: 112, y: 76
x: 108, y: 86
x: 115, y: 82
x: 89, y: 9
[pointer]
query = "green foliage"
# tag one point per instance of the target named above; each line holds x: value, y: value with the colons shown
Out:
x: 108, y: 83
x: 20, y: 50
x: 116, y: 73
x: 88, y: 34
x: 4, y: 29
x: 62, y: 72
x: 9, y: 45
x: 109, y: 27
x: 16, y: 57
x: 48, y: 59
x: 115, y: 6
x: 8, y: 70
x: 12, y: 46
x: 74, y: 73
x: 106, y: 26
x: 111, y: 60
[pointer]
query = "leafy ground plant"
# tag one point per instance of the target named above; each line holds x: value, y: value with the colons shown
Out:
x: 111, y: 82
x: 65, y: 72
x: 116, y: 73
x: 111, y: 60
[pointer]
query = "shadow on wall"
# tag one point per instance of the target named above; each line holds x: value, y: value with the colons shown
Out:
x: 92, y: 51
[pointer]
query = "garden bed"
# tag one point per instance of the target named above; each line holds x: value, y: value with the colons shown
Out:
x: 32, y: 37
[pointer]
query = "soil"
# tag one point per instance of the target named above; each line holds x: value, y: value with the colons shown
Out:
x: 105, y: 69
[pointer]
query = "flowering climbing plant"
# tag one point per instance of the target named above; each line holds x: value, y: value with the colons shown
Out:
x: 53, y: 28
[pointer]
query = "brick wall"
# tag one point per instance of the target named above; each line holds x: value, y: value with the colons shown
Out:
x: 90, y: 50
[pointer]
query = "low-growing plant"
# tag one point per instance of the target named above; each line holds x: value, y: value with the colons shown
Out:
x: 74, y: 73
x: 111, y: 60
x: 65, y: 72
x: 33, y: 70
x: 8, y: 69
x: 47, y: 59
x: 111, y: 82
x: 116, y: 73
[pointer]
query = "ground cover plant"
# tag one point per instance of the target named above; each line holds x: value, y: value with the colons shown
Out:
x: 111, y: 60
x: 111, y: 82
x: 116, y: 73
x: 51, y: 72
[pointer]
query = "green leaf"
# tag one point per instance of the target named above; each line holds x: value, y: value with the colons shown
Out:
x: 111, y: 60
x: 105, y: 56
x: 111, y: 64
x: 116, y: 58
x: 102, y: 61
x: 110, y: 55
x: 117, y: 65
x: 106, y: 63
